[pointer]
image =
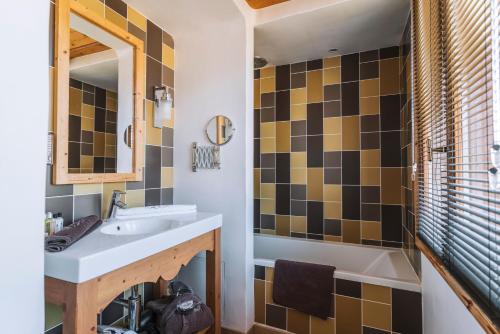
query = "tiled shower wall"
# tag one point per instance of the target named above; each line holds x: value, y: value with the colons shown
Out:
x: 327, y: 161
x: 75, y: 201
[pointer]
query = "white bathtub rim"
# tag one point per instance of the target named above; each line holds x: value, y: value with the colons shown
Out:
x: 362, y: 278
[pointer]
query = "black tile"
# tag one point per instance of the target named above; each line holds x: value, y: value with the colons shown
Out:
x: 347, y: 288
x: 73, y: 155
x: 256, y: 123
x: 314, y: 150
x: 256, y: 212
x: 332, y: 92
x: 371, y: 242
x: 368, y: 70
x: 63, y: 205
x: 350, y: 167
x: 369, y: 330
x: 299, y: 144
x: 298, y: 208
x: 370, y: 140
x: 393, y: 244
x: 267, y: 115
x: 110, y: 165
x: 268, y: 160
x: 298, y: 235
x: 316, y: 64
x: 332, y: 109
x: 333, y: 175
x: 315, y: 119
x: 267, y: 176
x: 100, y: 97
x: 314, y: 236
x: 368, y: 56
x: 152, y: 174
x: 153, y: 76
x: 333, y: 227
x: 298, y: 67
x: 88, y: 137
x: 390, y: 149
x: 154, y: 41
x: 350, y: 67
x: 299, y: 128
x: 87, y: 205
x: 88, y: 98
x: 260, y: 272
x: 112, y: 313
x: 370, y: 212
x: 282, y: 77
x: 267, y: 100
x: 98, y: 165
x: 88, y: 88
x: 282, y: 167
x: 152, y: 197
x: 406, y: 311
x: 276, y: 316
x: 167, y: 157
x: 75, y: 127
x: 118, y: 6
x: 333, y: 159
x: 75, y: 83
x: 283, y: 105
x: 256, y: 153
x: 391, y: 223
x: 55, y: 190
x: 390, y: 52
x: 167, y: 196
x: 350, y: 98
x: 256, y: 74
x: 315, y: 217
x: 167, y: 137
x: 370, y: 194
x: 370, y: 123
x: 267, y: 222
x: 87, y: 149
x: 55, y: 330
x: 350, y: 202
x: 389, y: 112
x: 100, y: 120
x: 298, y: 192
x: 283, y: 199
x: 298, y: 80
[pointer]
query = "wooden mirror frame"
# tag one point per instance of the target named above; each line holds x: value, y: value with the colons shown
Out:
x: 61, y: 173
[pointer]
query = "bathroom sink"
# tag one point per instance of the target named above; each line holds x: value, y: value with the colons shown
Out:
x: 135, y: 227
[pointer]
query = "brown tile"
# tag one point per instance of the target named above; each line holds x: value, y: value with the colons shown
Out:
x: 118, y: 6
x: 298, y: 160
x: 315, y: 86
x: 350, y: 133
x: 298, y: 175
x: 256, y: 93
x: 154, y: 41
x: 268, y: 130
x: 369, y: 55
x: 371, y: 230
x: 332, y: 192
x: 369, y: 88
x: 315, y: 184
x: 350, y: 98
x: 276, y: 316
x: 377, y: 293
x: 298, y: 224
x: 282, y: 136
x: 369, y: 106
x: 376, y: 315
x: 267, y: 85
x: 260, y: 301
x: 351, y: 231
x: 320, y: 326
x: 389, y: 76
x: 391, y: 185
x: 368, y: 70
x: 298, y: 112
x: 370, y: 176
x: 267, y: 72
x: 332, y: 143
x: 298, y: 80
x: 168, y: 77
x: 153, y: 76
x: 332, y: 125
x: 331, y: 76
x: 298, y: 322
x: 348, y: 315
x: 168, y: 39
x: 370, y: 158
x: 269, y: 274
x: 299, y: 96
x: 332, y: 210
x: 75, y: 101
x: 283, y: 225
x: 268, y: 145
x: 268, y: 190
x: 331, y: 62
x: 137, y: 32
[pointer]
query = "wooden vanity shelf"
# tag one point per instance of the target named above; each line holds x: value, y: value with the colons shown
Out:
x: 82, y: 302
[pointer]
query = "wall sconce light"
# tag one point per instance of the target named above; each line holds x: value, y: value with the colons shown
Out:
x: 162, y: 106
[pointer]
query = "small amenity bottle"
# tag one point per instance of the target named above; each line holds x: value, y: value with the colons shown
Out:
x: 49, y: 223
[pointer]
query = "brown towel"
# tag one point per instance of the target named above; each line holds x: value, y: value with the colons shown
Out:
x: 69, y: 235
x: 305, y: 287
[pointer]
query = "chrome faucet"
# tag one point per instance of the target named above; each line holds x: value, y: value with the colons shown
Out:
x: 115, y: 202
x: 134, y: 308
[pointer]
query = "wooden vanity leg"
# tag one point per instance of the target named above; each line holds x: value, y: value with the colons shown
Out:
x: 213, y: 285
x: 160, y: 288
x: 80, y: 308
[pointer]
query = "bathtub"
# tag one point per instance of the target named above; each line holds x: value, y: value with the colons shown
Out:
x: 365, y: 264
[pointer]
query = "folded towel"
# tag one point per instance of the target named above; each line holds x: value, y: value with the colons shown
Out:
x: 63, y: 239
x: 113, y: 330
x: 154, y: 211
x: 305, y: 287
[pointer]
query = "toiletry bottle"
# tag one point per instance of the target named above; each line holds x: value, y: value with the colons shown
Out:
x: 59, y: 222
x: 48, y: 223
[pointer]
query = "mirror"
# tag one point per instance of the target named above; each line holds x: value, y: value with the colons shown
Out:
x: 219, y: 130
x: 99, y: 106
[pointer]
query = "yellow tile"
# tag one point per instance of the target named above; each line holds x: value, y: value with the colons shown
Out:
x: 283, y: 225
x: 95, y: 6
x: 260, y: 301
x: 85, y: 189
x: 116, y: 18
x: 268, y: 145
x: 298, y: 112
x: 99, y: 144
x: 135, y: 198
x: 298, y: 224
x: 268, y: 130
x: 266, y: 231
x: 298, y: 159
x: 298, y: 96
x: 283, y: 137
x: 332, y: 143
x: 377, y: 315
x: 331, y: 76
x: 87, y: 124
x: 267, y: 85
x: 298, y: 175
x: 315, y: 184
x: 351, y: 231
x: 332, y: 210
x: 269, y: 71
x: 391, y: 185
x: 256, y: 93
x: 167, y: 177
x: 269, y: 274
x: 331, y: 62
x: 107, y: 191
x: 389, y: 76
x: 370, y: 158
x: 369, y: 87
x: 371, y: 230
x: 369, y: 106
x: 332, y: 238
x: 332, y: 192
x: 267, y: 206
x: 88, y: 111
x: 269, y: 293
x: 268, y: 190
x: 298, y: 322
x: 153, y: 135
x: 332, y: 125
x: 256, y: 183
x: 137, y: 19
x: 350, y: 133
x: 87, y: 162
x: 377, y: 293
x: 315, y: 86
x: 320, y: 326
x: 75, y: 101
x: 168, y: 57
x: 370, y: 176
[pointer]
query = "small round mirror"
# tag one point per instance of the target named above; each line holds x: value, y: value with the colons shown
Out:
x: 219, y: 130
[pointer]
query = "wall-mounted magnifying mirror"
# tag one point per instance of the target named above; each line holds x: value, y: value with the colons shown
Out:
x: 219, y: 130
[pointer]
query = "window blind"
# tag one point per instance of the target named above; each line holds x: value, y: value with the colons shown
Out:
x: 457, y: 142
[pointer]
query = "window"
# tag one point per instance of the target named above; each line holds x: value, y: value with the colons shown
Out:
x: 456, y: 100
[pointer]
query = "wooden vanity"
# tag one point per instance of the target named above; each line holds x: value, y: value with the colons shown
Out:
x: 82, y: 302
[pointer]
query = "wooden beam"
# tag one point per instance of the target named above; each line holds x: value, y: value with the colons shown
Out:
x: 259, y: 4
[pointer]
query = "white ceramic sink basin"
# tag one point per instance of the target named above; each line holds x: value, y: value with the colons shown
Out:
x: 138, y: 226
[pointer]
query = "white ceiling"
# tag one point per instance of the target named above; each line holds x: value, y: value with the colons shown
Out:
x: 98, y: 69
x: 348, y: 25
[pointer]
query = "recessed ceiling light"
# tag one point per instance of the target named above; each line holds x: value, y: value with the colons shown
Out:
x: 333, y: 50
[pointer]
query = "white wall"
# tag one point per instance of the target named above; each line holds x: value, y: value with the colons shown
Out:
x: 443, y: 312
x: 24, y: 102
